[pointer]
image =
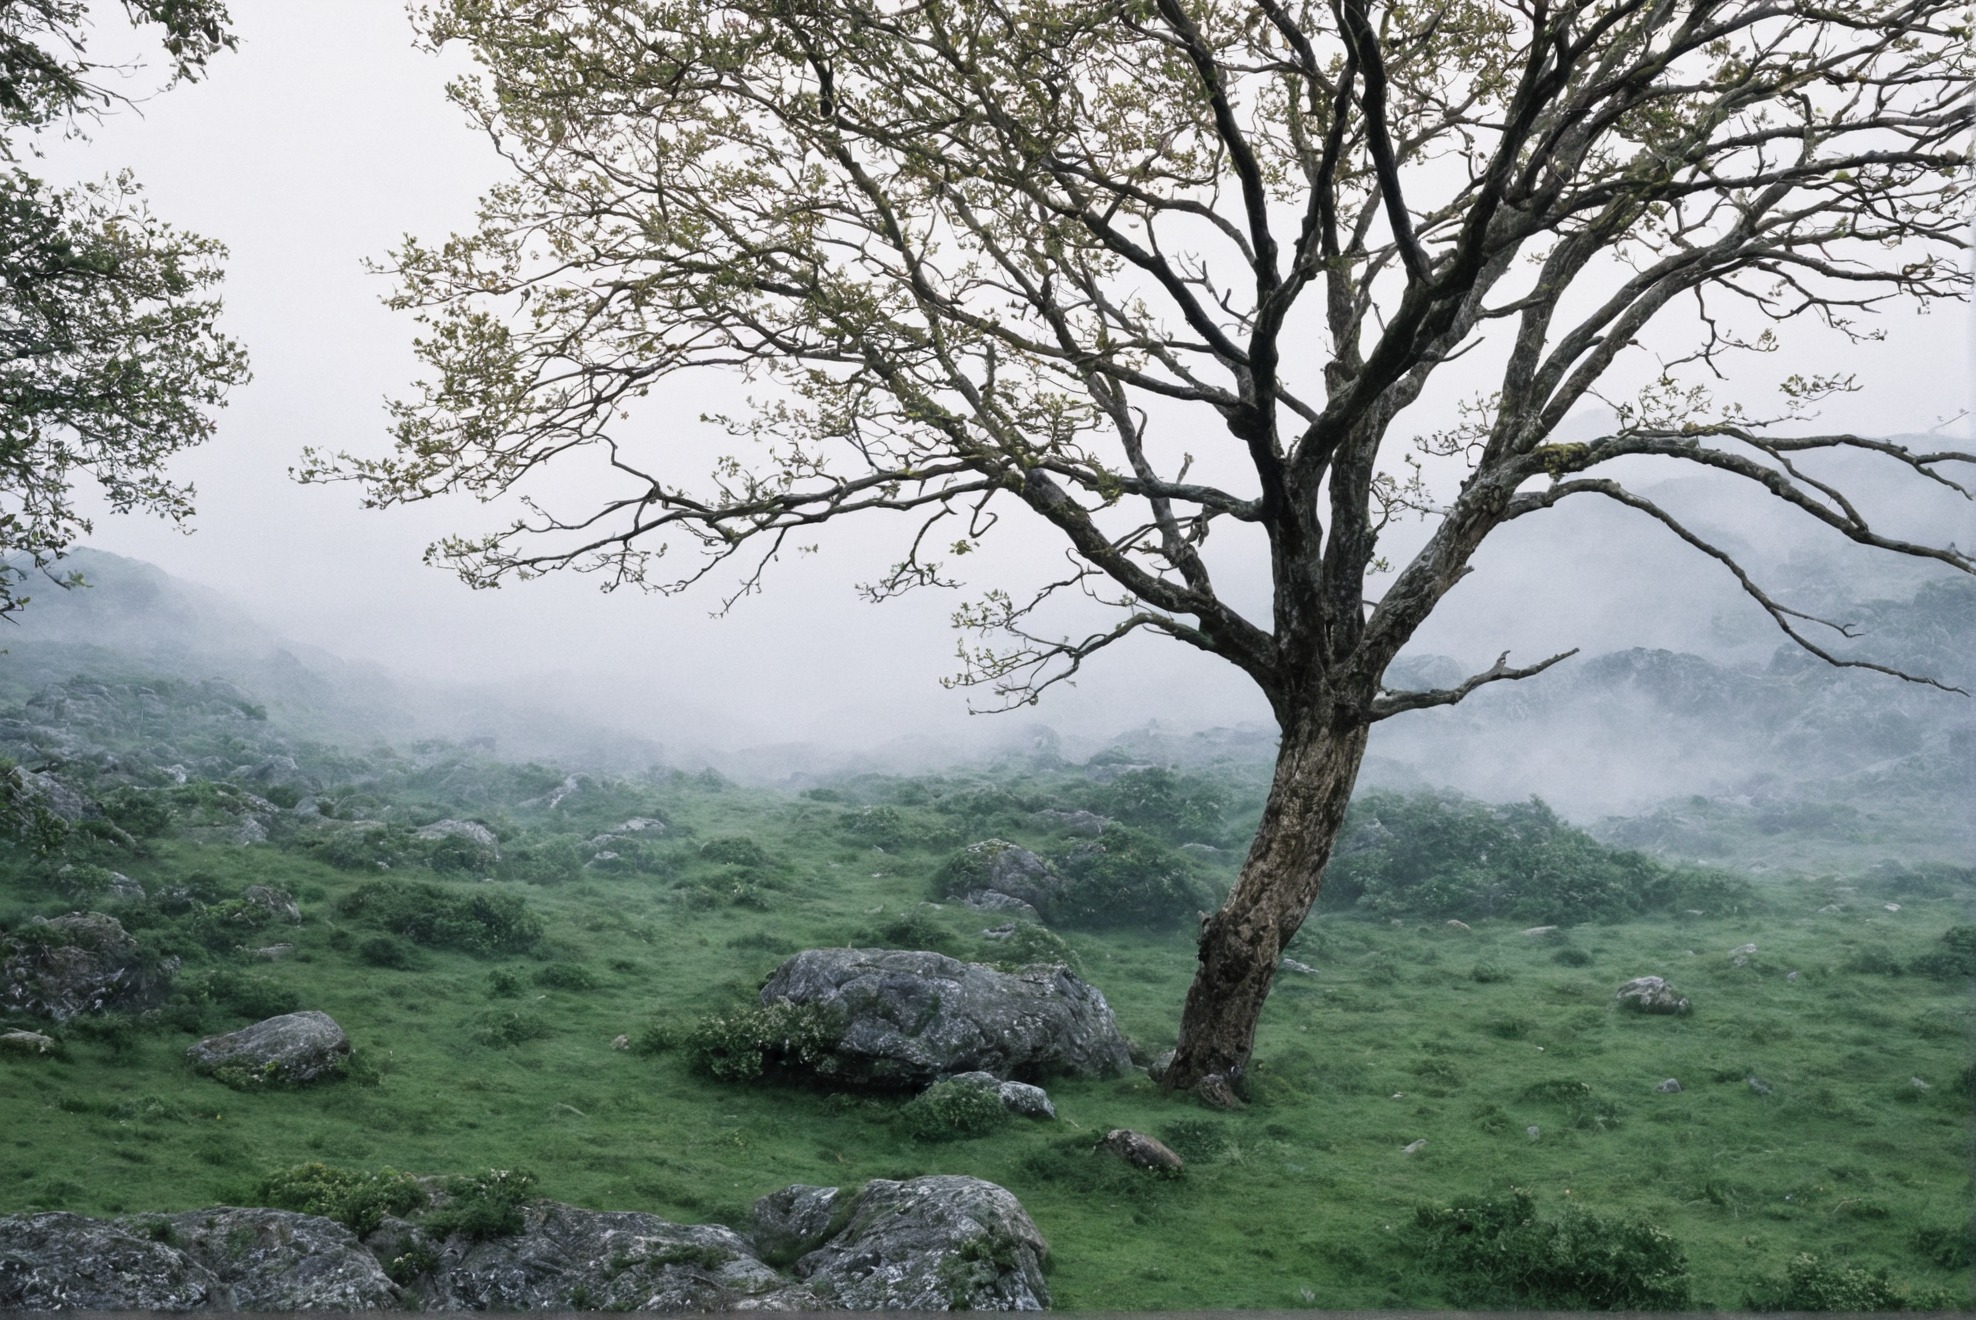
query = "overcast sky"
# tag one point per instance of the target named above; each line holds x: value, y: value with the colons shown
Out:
x: 326, y: 137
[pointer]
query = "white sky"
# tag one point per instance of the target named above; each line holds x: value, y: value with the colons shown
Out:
x: 325, y: 138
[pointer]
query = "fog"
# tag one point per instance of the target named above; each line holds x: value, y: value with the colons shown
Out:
x: 326, y: 137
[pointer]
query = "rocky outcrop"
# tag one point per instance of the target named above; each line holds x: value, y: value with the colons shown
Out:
x: 1016, y: 1097
x: 471, y: 832
x: 907, y: 1018
x: 84, y: 962
x: 291, y: 1050
x: 26, y: 1042
x: 272, y: 904
x: 939, y: 1243
x: 997, y: 867
x: 1142, y: 1151
x: 218, y: 1259
x: 567, y: 1259
x: 1652, y: 994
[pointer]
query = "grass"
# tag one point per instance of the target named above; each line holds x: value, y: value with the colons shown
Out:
x: 1407, y: 1031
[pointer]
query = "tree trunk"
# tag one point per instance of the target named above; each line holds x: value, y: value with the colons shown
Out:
x: 1316, y: 767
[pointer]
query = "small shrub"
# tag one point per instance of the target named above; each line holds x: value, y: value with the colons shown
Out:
x: 514, y: 1026
x: 1950, y: 1248
x: 485, y: 1206
x: 1488, y: 973
x: 745, y: 1044
x: 763, y: 942
x: 655, y: 1038
x: 503, y: 983
x: 550, y: 860
x: 1956, y: 956
x: 949, y: 1111
x: 1572, y: 957
x: 914, y: 929
x: 566, y: 976
x: 1127, y: 878
x: 473, y: 922
x: 356, y: 1198
x: 1196, y: 1140
x: 1032, y: 943
x: 1498, y: 1252
x: 733, y: 850
x: 1873, y: 961
x: 1811, y: 1284
x: 387, y: 951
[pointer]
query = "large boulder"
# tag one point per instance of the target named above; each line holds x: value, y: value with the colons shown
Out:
x: 1652, y: 994
x: 477, y: 836
x: 218, y: 1259
x: 939, y: 1243
x: 83, y: 962
x: 291, y: 1050
x: 906, y: 1018
x: 566, y: 1259
x: 277, y: 1260
x: 998, y: 867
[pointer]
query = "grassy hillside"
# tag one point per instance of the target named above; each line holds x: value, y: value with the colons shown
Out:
x: 486, y: 1041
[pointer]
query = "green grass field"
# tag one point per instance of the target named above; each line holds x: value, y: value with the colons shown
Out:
x: 1502, y: 1051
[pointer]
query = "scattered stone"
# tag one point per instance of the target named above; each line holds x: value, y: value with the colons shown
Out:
x: 1300, y: 968
x: 1452, y: 924
x: 272, y: 952
x: 1414, y: 1147
x: 1216, y: 1092
x: 1142, y: 1151
x: 277, y: 904
x: 1743, y: 950
x: 620, y: 1042
x: 1026, y: 1100
x: 938, y: 1243
x: 1918, y: 1084
x: 1161, y: 1062
x: 1203, y: 849
x: 1758, y: 1085
x: 1533, y: 1132
x: 25, y: 1042
x: 1652, y: 994
x: 1540, y: 930
x: 83, y: 962
x: 568, y: 1259
x: 472, y: 831
x: 1001, y: 932
x: 910, y: 1017
x: 1791, y: 975
x: 1891, y: 907
x: 54, y: 796
x: 1668, y: 1087
x: 293, y: 1049
x: 997, y: 867
x: 122, y: 887
x: 648, y: 826
x: 1830, y: 909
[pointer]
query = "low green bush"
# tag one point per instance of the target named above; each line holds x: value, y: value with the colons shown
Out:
x: 567, y: 976
x: 483, y: 1206
x: 914, y: 928
x: 1810, y: 1283
x: 950, y: 1111
x: 1488, y: 973
x: 1497, y: 1252
x: 355, y: 1198
x: 733, y: 850
x: 753, y: 1041
x: 1952, y: 1248
x: 1031, y: 943
x: 1955, y: 956
x: 1196, y: 1140
x: 1127, y: 878
x: 544, y: 860
x: 1178, y: 806
x: 511, y: 1026
x: 439, y: 918
x: 387, y: 951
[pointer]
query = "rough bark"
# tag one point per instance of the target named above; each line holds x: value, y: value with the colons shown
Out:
x: 1317, y: 765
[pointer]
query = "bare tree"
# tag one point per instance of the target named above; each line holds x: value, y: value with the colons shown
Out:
x: 989, y: 254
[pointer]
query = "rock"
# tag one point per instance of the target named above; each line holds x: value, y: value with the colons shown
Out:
x: 84, y: 962
x: 649, y: 827
x: 1452, y: 924
x: 1300, y: 968
x: 57, y: 1261
x: 567, y: 1259
x: 1830, y: 910
x: 1918, y: 1084
x: 1540, y: 930
x: 54, y: 797
x: 1161, y: 1062
x: 1791, y: 975
x: 278, y: 904
x: 907, y: 1018
x: 1142, y: 1151
x: 620, y: 1042
x: 994, y: 900
x: 277, y: 1260
x: 1201, y: 849
x: 272, y: 952
x: 1089, y: 824
x: 1651, y: 994
x: 998, y: 866
x: 1533, y: 1132
x: 121, y: 886
x: 1758, y: 1085
x: 293, y: 1049
x: 793, y: 1222
x: 472, y: 831
x: 938, y: 1243
x: 1891, y: 907
x: 1001, y: 932
x: 1216, y: 1092
x: 25, y: 1042
x: 1414, y: 1147
x: 1668, y: 1087
x: 1742, y: 950
x: 1026, y: 1100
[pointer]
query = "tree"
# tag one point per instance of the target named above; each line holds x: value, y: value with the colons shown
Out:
x: 110, y: 362
x: 994, y: 255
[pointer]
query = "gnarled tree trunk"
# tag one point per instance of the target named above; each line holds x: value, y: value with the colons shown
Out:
x: 1317, y: 764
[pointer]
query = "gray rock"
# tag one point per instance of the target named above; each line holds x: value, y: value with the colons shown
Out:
x: 1086, y: 823
x: 1300, y: 968
x: 272, y: 952
x: 793, y: 1222
x: 1142, y: 1151
x: 939, y: 1243
x: 1026, y: 1100
x: 1652, y: 994
x: 293, y: 1049
x: 472, y: 831
x: 25, y: 1042
x: 994, y: 900
x: 83, y: 962
x: 567, y: 1259
x: 54, y: 797
x: 998, y: 866
x: 277, y: 904
x: 121, y: 886
x: 1668, y: 1087
x: 277, y: 1260
x: 907, y: 1018
x: 64, y: 1262
x: 649, y: 827
x: 1758, y: 1085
